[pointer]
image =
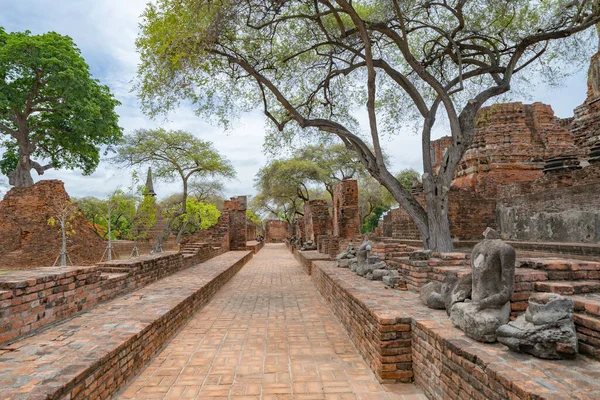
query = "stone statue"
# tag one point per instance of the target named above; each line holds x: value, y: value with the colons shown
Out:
x: 452, y: 290
x: 493, y: 272
x: 366, y: 263
x: 345, y: 258
x: 546, y: 330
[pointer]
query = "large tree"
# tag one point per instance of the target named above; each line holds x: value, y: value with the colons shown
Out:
x: 174, y: 155
x: 51, y: 109
x: 313, y: 63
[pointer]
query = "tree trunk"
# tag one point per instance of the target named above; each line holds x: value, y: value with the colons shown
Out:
x: 21, y: 176
x: 436, y: 196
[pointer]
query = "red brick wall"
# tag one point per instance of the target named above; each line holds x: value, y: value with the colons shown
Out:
x: 316, y: 219
x: 32, y: 299
x: 28, y: 241
x: 111, y: 372
x: 403, y: 340
x: 276, y: 231
x: 236, y: 208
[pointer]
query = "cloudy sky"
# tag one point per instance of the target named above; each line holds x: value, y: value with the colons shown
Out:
x: 105, y: 31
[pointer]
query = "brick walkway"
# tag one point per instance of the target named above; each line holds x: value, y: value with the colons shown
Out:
x: 267, y: 334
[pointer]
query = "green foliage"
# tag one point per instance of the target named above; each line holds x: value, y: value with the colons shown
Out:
x: 200, y: 215
x: 145, y: 218
x: 50, y: 105
x: 372, y: 220
x: 64, y: 215
x: 252, y: 217
x: 173, y: 154
x: 122, y: 213
x: 10, y: 157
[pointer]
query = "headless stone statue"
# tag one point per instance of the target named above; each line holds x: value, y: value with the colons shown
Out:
x: 365, y: 263
x: 546, y: 330
x: 493, y: 274
x: 450, y: 291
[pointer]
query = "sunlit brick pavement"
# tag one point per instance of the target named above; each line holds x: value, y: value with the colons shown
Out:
x: 267, y: 334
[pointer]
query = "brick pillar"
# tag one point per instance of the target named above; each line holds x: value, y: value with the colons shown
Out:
x: 346, y: 220
x: 316, y: 219
x: 236, y: 208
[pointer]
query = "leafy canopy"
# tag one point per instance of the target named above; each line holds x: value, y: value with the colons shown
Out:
x: 173, y: 154
x: 50, y: 102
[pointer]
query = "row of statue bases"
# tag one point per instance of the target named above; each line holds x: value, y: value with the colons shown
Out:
x: 479, y: 302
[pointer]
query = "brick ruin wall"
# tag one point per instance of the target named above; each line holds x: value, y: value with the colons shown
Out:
x: 32, y: 299
x: 28, y: 241
x: 217, y: 235
x: 500, y: 180
x: 346, y: 219
x: 276, y: 231
x: 231, y: 230
x: 553, y: 209
x: 316, y: 220
x: 236, y: 208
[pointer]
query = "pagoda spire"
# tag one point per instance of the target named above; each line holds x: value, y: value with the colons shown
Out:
x: 149, y: 185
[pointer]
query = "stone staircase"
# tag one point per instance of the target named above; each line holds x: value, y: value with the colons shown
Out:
x: 194, y: 247
x: 581, y: 281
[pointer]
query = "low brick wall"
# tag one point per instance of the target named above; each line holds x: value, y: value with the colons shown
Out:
x: 255, y: 246
x: 402, y: 340
x: 32, y: 299
x: 123, y: 363
x: 114, y: 341
x: 306, y: 259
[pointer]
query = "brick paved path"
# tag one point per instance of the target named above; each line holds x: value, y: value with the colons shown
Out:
x: 267, y: 334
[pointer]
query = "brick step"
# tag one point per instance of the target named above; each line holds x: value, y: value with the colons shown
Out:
x: 530, y: 275
x: 588, y: 333
x: 452, y: 256
x: 568, y: 287
x: 590, y: 304
x: 563, y: 269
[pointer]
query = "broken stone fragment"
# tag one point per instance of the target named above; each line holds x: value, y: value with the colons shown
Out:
x: 443, y: 295
x: 343, y: 263
x: 546, y: 330
x: 378, y: 274
x: 431, y: 295
x: 420, y: 255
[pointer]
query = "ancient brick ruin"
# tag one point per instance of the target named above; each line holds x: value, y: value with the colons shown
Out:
x: 519, y: 153
x: 236, y: 209
x: 276, y: 231
x: 316, y: 220
x: 28, y: 241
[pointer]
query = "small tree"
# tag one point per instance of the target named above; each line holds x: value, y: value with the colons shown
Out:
x: 173, y: 155
x: 66, y: 212
x: 50, y: 107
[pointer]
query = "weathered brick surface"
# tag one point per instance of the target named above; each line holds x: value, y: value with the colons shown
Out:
x: 444, y: 362
x: 255, y: 246
x: 28, y: 241
x: 346, y: 220
x: 267, y: 334
x: 316, y: 220
x: 92, y: 355
x: 306, y: 258
x: 236, y: 208
x: 585, y: 124
x: 43, y: 296
x: 276, y: 231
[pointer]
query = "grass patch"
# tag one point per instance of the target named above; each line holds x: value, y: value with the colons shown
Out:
x: 4, y: 272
